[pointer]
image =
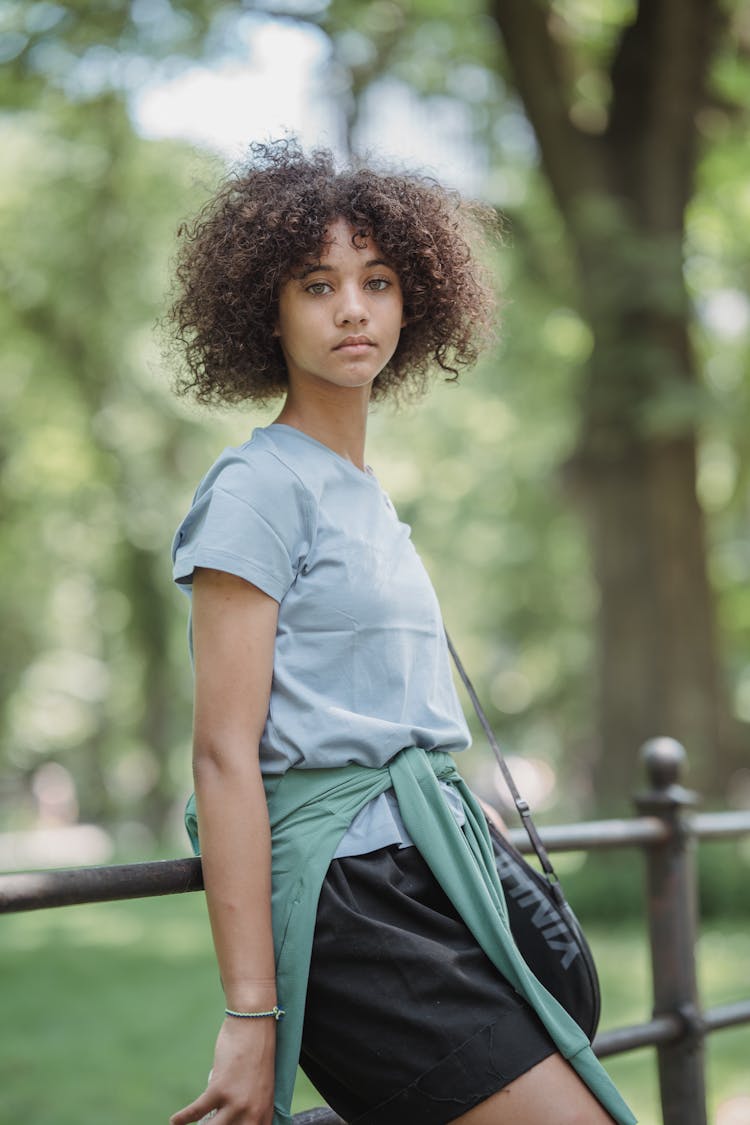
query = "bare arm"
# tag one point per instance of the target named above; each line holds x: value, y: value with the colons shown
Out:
x: 234, y: 628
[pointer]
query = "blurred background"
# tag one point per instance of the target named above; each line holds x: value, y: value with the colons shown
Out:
x: 580, y: 499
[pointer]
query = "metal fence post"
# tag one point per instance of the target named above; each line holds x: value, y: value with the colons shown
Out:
x: 671, y: 902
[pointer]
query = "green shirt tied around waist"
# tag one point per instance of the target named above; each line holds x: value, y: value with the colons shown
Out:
x: 311, y: 809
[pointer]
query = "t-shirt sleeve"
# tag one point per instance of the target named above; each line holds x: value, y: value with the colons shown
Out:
x: 250, y: 517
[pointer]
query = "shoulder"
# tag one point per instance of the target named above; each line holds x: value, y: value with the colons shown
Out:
x: 257, y: 467
x: 259, y: 475
x: 251, y: 516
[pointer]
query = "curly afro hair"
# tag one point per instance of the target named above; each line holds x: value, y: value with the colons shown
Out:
x: 271, y: 215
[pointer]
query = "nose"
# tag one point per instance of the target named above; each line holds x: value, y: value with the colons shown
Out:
x: 352, y: 306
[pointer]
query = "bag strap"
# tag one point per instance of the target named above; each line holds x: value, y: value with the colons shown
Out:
x: 521, y: 805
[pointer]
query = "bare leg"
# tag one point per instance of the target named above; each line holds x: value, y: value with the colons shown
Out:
x: 551, y: 1093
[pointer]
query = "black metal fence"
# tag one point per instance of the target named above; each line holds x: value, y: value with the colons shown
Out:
x: 666, y: 829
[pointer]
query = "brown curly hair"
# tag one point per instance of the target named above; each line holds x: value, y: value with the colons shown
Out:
x: 271, y: 215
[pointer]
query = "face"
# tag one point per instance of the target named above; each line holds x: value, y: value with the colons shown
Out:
x: 340, y: 317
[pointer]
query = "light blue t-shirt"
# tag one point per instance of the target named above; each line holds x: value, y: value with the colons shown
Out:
x: 361, y: 666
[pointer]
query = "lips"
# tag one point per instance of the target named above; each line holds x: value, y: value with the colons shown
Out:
x: 354, y: 343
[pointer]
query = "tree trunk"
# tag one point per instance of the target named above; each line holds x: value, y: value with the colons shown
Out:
x: 657, y: 667
x: 623, y: 196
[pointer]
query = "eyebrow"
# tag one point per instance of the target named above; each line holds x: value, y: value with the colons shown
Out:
x: 316, y: 267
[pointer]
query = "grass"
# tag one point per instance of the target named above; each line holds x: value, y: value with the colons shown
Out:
x: 110, y: 1010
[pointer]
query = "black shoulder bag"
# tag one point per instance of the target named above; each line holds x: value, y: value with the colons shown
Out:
x: 545, y: 929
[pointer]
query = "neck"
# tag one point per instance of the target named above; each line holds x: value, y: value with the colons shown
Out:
x: 335, y: 416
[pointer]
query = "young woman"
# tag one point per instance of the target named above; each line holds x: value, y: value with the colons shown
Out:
x: 345, y: 862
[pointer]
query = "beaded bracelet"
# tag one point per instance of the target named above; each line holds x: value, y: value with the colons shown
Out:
x: 275, y: 1011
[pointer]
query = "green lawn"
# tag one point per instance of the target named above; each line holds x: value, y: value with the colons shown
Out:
x: 109, y: 1013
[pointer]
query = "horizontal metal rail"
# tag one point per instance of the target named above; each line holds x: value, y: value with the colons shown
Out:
x: 665, y: 825
x: 661, y: 1029
x: 727, y: 1015
x: 718, y: 826
x: 38, y: 890
x: 668, y: 1028
x: 639, y: 831
x: 590, y: 835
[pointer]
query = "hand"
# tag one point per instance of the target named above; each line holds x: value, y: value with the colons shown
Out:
x: 493, y: 816
x: 241, y: 1084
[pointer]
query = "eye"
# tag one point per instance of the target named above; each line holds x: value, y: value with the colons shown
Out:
x: 378, y: 284
x: 318, y: 288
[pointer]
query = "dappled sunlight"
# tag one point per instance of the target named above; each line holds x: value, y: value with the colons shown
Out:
x: 184, y: 104
x: 45, y: 832
x: 566, y: 334
x: 718, y: 467
x: 53, y: 456
x: 734, y: 1111
x: 535, y: 778
x: 152, y: 928
x: 73, y: 845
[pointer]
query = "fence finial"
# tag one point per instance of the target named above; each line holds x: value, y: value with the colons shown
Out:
x: 664, y: 759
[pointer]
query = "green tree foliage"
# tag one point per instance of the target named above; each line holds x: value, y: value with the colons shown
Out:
x: 97, y: 461
x: 610, y: 114
x: 87, y: 448
x: 90, y: 442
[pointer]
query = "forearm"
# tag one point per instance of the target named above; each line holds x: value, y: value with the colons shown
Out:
x: 236, y: 856
x: 234, y: 631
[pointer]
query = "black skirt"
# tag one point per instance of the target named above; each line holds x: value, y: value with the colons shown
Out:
x: 407, y: 1021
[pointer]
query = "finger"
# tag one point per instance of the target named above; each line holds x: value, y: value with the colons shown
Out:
x: 193, y: 1112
